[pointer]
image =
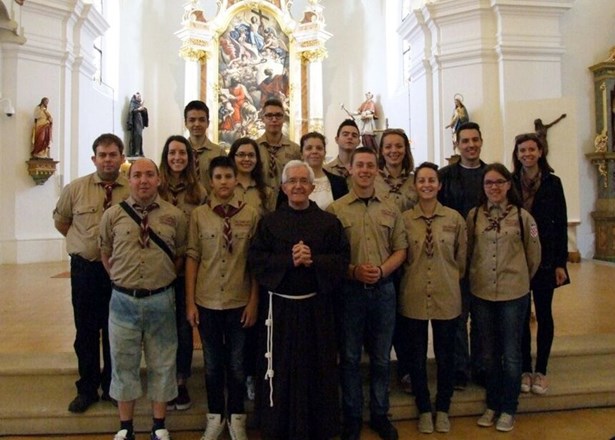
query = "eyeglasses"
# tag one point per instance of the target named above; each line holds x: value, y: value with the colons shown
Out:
x: 243, y: 155
x: 274, y: 115
x: 492, y: 183
x: 302, y: 181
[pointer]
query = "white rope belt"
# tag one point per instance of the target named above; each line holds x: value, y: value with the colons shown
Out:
x: 269, y: 324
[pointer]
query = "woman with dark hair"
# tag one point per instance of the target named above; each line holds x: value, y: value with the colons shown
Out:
x: 543, y: 196
x: 327, y: 186
x: 180, y: 185
x: 504, y: 254
x: 395, y: 161
x: 395, y: 182
x: 251, y: 187
x: 430, y: 291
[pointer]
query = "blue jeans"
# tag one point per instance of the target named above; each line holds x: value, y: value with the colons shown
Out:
x: 367, y: 315
x: 185, y: 344
x: 223, y: 345
x: 501, y: 331
x: 148, y: 325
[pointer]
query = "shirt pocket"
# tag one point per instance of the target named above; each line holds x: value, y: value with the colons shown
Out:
x: 87, y: 215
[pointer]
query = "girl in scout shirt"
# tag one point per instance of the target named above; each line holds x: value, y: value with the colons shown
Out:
x: 430, y: 291
x: 504, y: 254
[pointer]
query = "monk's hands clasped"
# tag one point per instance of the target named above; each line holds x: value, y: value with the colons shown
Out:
x: 302, y: 255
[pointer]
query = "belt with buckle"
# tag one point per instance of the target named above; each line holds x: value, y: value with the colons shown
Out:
x: 139, y: 293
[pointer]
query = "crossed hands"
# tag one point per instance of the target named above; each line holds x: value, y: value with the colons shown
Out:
x: 302, y: 254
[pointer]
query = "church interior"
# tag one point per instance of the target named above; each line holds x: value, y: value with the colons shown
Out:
x: 510, y: 62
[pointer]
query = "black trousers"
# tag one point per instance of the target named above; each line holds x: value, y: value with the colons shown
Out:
x: 91, y: 292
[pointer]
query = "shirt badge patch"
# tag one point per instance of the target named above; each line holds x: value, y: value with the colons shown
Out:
x: 533, y: 230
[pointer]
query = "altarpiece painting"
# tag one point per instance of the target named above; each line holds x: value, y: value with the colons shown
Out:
x: 251, y: 51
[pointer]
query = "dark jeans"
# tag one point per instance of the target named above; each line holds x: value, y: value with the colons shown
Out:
x: 369, y: 314
x: 443, y: 342
x: 223, y: 340
x: 544, y: 338
x: 91, y: 292
x: 185, y: 343
x: 501, y: 330
x: 468, y: 357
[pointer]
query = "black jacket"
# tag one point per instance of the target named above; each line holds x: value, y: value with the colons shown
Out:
x: 549, y: 211
x: 453, y: 193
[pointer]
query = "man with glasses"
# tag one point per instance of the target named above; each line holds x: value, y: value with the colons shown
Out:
x: 461, y: 187
x: 299, y: 255
x: 276, y: 149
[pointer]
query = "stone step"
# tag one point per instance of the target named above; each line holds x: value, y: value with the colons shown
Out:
x: 36, y: 390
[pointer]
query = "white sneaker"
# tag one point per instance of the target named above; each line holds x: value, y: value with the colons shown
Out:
x: 122, y: 434
x: 237, y: 427
x: 215, y: 426
x: 487, y: 419
x: 526, y: 382
x: 425, y: 423
x: 161, y: 434
x: 443, y: 424
x: 540, y: 385
x: 506, y: 422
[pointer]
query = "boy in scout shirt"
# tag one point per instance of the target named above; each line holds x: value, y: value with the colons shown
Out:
x: 196, y: 120
x: 76, y: 216
x: 221, y: 295
x: 276, y: 149
x: 142, y: 243
x: 378, y: 246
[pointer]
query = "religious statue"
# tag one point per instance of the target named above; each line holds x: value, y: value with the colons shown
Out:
x: 137, y: 121
x: 541, y: 131
x: 460, y: 115
x: 42, y: 130
x: 367, y: 124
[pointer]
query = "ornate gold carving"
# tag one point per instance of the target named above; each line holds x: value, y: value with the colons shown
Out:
x: 190, y: 54
x: 310, y: 56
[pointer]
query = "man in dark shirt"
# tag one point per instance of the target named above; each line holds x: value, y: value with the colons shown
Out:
x: 461, y: 186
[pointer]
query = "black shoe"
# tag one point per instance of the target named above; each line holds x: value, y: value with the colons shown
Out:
x: 383, y: 426
x: 461, y: 381
x: 352, y: 429
x: 82, y: 402
x: 107, y: 398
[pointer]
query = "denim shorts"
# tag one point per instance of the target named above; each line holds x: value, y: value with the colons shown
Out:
x: 146, y: 324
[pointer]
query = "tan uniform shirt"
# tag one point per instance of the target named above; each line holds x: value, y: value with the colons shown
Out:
x: 132, y: 266
x: 404, y: 197
x: 81, y: 205
x: 430, y: 286
x: 374, y: 231
x: 252, y: 197
x: 336, y: 167
x: 223, y: 281
x: 287, y: 152
x: 184, y: 206
x: 502, y: 263
x: 206, y: 152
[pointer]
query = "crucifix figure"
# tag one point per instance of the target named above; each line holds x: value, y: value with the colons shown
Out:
x: 541, y: 131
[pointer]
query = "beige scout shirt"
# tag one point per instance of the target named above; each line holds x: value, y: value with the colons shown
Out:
x: 405, y: 197
x: 186, y: 207
x: 223, y: 281
x: 206, y: 152
x: 337, y: 168
x: 374, y: 231
x: 430, y: 286
x: 502, y: 263
x: 132, y: 266
x: 81, y: 205
x: 288, y: 151
x: 252, y: 197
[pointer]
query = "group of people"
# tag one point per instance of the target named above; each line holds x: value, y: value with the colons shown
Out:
x: 290, y: 268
